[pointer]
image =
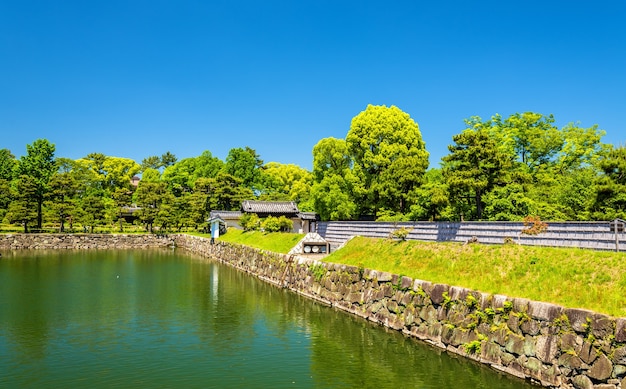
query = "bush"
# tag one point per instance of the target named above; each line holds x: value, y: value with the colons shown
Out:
x: 285, y: 224
x: 534, y: 226
x: 250, y: 222
x: 270, y: 224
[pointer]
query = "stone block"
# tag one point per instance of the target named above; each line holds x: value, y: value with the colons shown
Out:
x: 491, y: 352
x: 406, y: 283
x: 546, y: 348
x: 588, y: 353
x: 515, y: 345
x: 601, y: 368
x: 582, y: 382
x: 620, y: 330
x: 530, y: 327
x: 533, y: 368
x: 619, y: 371
x: 458, y: 293
x: 437, y: 293
x: 570, y: 342
x: 520, y: 304
x: 570, y: 361
x: 602, y: 325
x: 544, y: 311
x: 578, y: 318
x: 619, y: 356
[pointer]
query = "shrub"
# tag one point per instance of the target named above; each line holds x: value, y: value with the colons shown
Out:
x: 534, y: 226
x: 400, y: 233
x: 250, y: 222
x: 270, y: 224
x: 285, y: 224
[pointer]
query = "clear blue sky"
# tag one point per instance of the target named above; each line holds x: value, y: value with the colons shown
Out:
x: 135, y: 78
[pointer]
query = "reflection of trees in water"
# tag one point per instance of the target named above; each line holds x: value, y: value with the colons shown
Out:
x: 207, y: 301
x: 346, y: 351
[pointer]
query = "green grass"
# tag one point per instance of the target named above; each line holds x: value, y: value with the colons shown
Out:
x: 278, y: 242
x: 575, y: 278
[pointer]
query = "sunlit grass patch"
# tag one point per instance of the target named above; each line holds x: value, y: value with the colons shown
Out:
x: 279, y: 242
x: 567, y: 276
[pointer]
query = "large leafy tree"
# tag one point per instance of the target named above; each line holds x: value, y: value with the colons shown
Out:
x: 289, y: 182
x: 153, y: 198
x: 432, y: 201
x: 474, y: 167
x: 389, y: 157
x: 39, y: 164
x: 228, y: 192
x: 7, y: 173
x: 156, y: 162
x: 333, y: 191
x: 23, y: 208
x: 245, y: 164
x: 610, y: 199
x: 61, y: 200
x: 182, y: 175
x: 7, y: 165
x: 108, y: 173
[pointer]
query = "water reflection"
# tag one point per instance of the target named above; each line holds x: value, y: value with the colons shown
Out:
x: 159, y: 318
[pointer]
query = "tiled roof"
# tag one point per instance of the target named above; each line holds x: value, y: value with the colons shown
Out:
x: 225, y: 214
x: 307, y: 215
x: 274, y: 207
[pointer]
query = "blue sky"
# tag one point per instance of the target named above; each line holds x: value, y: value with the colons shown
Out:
x: 136, y: 78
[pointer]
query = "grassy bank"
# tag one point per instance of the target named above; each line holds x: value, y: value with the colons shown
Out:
x: 278, y: 242
x: 570, y: 277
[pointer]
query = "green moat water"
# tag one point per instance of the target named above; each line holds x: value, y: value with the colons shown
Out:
x: 170, y: 319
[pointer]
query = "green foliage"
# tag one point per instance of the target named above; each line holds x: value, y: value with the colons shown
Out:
x: 318, y: 271
x: 282, y: 182
x: 471, y: 301
x: 610, y: 197
x: 389, y: 157
x: 333, y: 192
x: 7, y: 165
x: 270, y: 224
x: 447, y: 301
x: 250, y: 222
x: 39, y: 164
x: 472, y: 347
x: 400, y: 233
x: 245, y: 164
x: 475, y: 165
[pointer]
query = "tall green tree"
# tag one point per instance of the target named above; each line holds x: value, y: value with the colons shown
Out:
x: 7, y: 165
x: 182, y: 175
x: 154, y: 199
x: 23, y: 208
x: 7, y: 174
x: 39, y: 164
x: 610, y: 198
x: 333, y: 193
x: 228, y: 192
x: 432, y: 198
x: 245, y: 164
x: 61, y: 199
x: 474, y: 167
x: 286, y: 182
x: 389, y: 155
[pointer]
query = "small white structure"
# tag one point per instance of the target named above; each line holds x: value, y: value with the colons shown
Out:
x: 217, y: 226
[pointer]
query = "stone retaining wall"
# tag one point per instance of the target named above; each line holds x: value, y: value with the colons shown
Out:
x: 545, y: 343
x: 83, y: 241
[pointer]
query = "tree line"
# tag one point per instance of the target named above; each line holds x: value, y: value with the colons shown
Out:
x: 496, y: 169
